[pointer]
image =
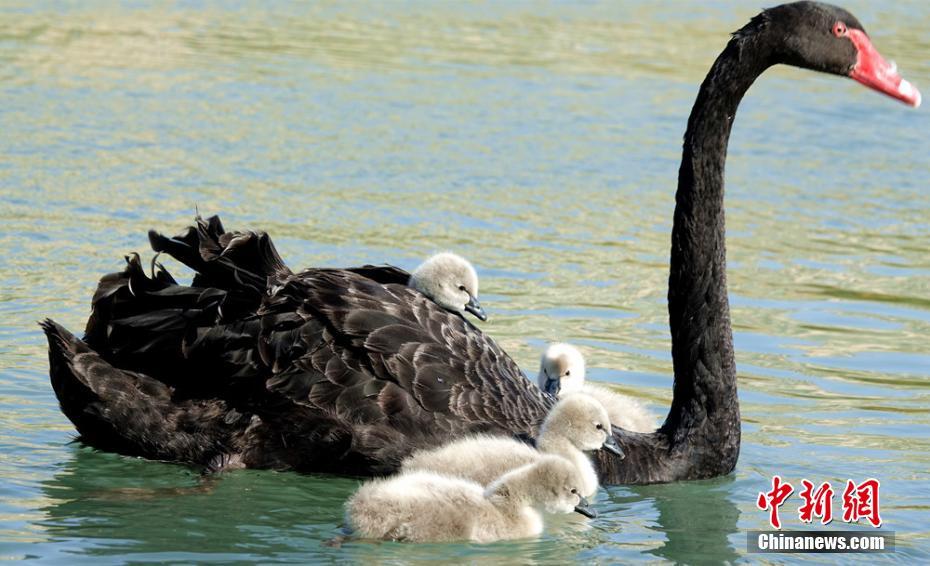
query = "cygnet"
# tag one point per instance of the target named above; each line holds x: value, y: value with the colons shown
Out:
x: 423, y: 506
x: 562, y: 372
x: 450, y: 281
x: 575, y: 424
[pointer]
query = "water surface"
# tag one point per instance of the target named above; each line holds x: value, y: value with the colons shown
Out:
x: 539, y: 140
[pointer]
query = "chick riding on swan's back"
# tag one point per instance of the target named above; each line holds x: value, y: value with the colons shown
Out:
x: 422, y: 506
x: 562, y: 372
x: 451, y: 281
x: 576, y: 425
x: 350, y: 370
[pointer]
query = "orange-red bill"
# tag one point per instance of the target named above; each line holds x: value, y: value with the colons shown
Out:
x: 874, y: 72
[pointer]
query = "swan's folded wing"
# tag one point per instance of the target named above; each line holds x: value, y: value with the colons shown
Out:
x: 372, y: 353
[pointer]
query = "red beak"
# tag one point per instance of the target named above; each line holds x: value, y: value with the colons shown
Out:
x: 874, y: 72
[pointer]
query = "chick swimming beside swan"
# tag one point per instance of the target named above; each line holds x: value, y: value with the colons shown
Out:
x: 422, y: 506
x: 562, y: 372
x: 575, y: 425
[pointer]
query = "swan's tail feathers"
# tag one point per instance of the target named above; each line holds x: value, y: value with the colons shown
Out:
x: 130, y: 413
x: 140, y: 323
x: 225, y: 260
x: 116, y: 295
x: 155, y: 326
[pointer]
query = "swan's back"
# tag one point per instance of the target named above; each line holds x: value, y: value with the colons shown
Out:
x: 373, y: 354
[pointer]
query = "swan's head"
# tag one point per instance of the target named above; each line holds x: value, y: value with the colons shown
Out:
x: 829, y: 39
x: 561, y: 370
x: 451, y: 282
x: 581, y: 420
x: 551, y: 482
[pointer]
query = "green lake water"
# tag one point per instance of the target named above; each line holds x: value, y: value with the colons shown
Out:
x: 541, y: 141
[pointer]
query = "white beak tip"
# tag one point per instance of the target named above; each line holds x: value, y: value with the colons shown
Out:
x: 910, y: 93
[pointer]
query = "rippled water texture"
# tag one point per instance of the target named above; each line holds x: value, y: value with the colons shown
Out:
x: 541, y: 141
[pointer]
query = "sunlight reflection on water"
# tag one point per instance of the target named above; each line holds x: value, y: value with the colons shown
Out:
x: 540, y: 141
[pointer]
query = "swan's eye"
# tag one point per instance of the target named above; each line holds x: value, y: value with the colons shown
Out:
x: 600, y: 426
x: 568, y: 373
x: 462, y: 288
x: 839, y: 29
x: 574, y: 491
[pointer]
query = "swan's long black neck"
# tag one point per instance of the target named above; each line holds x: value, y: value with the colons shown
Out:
x: 699, y: 313
x: 701, y: 435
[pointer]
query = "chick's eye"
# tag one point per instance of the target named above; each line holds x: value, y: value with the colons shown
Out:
x: 574, y: 491
x: 839, y: 29
x: 568, y: 373
x: 461, y: 287
x: 600, y: 426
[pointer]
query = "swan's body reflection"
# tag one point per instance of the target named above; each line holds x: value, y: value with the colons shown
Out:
x: 121, y: 505
x: 697, y: 519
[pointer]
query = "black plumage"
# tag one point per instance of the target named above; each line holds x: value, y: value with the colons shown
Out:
x: 328, y: 369
x: 349, y: 370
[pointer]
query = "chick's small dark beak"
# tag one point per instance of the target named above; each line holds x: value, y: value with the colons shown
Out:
x: 585, y: 509
x: 611, y: 446
x: 552, y: 386
x: 474, y: 307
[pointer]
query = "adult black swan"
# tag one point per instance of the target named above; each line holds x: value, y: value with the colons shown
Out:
x: 348, y: 370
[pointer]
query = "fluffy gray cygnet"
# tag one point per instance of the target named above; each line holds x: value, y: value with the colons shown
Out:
x: 421, y: 506
x: 576, y: 424
x: 450, y: 281
x: 562, y: 372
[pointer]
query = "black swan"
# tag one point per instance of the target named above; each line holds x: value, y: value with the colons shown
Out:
x: 350, y: 370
